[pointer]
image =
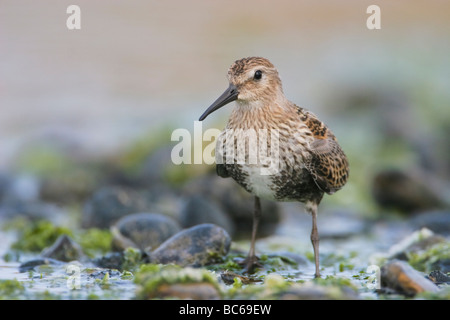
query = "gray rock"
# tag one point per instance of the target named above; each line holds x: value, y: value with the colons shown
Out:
x: 109, y: 204
x: 438, y: 277
x: 144, y: 231
x: 197, y: 246
x: 317, y: 292
x: 113, y: 260
x: 31, y: 264
x: 228, y: 278
x: 63, y: 249
x: 198, y: 210
x: 402, y: 278
x: 191, y: 291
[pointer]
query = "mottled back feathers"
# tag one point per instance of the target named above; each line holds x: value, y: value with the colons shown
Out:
x: 326, y: 162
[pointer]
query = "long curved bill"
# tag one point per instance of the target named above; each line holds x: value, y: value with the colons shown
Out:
x: 228, y: 96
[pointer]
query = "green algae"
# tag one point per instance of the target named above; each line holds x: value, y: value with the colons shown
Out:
x: 426, y: 260
x: 132, y: 259
x: 94, y: 241
x: 11, y: 289
x: 150, y: 277
x: 443, y: 294
x: 34, y: 237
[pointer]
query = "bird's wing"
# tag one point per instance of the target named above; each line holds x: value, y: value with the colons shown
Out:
x: 220, y: 155
x: 326, y: 161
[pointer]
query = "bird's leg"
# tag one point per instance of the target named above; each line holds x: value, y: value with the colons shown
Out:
x: 312, y: 209
x: 252, y: 261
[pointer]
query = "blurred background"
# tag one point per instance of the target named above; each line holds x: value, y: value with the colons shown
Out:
x: 74, y: 103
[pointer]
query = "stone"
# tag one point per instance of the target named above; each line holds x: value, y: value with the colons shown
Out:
x: 228, y: 278
x: 194, y: 291
x: 438, y: 277
x: 311, y: 291
x: 113, y: 260
x: 63, y: 249
x: 402, y: 278
x: 144, y: 231
x: 197, y: 246
x: 171, y: 281
x: 31, y: 264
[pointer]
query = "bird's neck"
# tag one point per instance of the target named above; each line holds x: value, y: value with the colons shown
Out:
x: 259, y: 113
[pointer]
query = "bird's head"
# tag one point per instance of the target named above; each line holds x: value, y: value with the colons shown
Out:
x: 251, y: 80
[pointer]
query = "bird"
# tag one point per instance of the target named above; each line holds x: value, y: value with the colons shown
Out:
x: 309, y: 161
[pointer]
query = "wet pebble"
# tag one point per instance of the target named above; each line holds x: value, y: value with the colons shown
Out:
x: 402, y: 278
x: 144, y: 231
x: 112, y: 260
x: 198, y: 210
x: 31, y: 264
x: 228, y: 278
x: 311, y: 291
x: 438, y: 277
x: 197, y: 246
x: 101, y: 273
x: 63, y: 249
x: 109, y: 204
x: 414, y: 243
x: 170, y: 281
x: 194, y: 291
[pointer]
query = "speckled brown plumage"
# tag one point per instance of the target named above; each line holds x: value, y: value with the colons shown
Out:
x: 309, y: 160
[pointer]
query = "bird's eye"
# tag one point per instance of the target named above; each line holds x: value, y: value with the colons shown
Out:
x: 258, y: 75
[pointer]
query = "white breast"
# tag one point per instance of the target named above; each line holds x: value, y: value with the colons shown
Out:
x: 261, y: 185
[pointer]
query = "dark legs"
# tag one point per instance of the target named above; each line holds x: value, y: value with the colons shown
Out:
x: 312, y: 209
x: 252, y: 261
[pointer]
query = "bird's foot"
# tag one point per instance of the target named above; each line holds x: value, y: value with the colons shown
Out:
x: 250, y: 264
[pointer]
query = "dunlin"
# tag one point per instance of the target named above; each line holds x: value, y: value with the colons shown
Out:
x: 310, y: 161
